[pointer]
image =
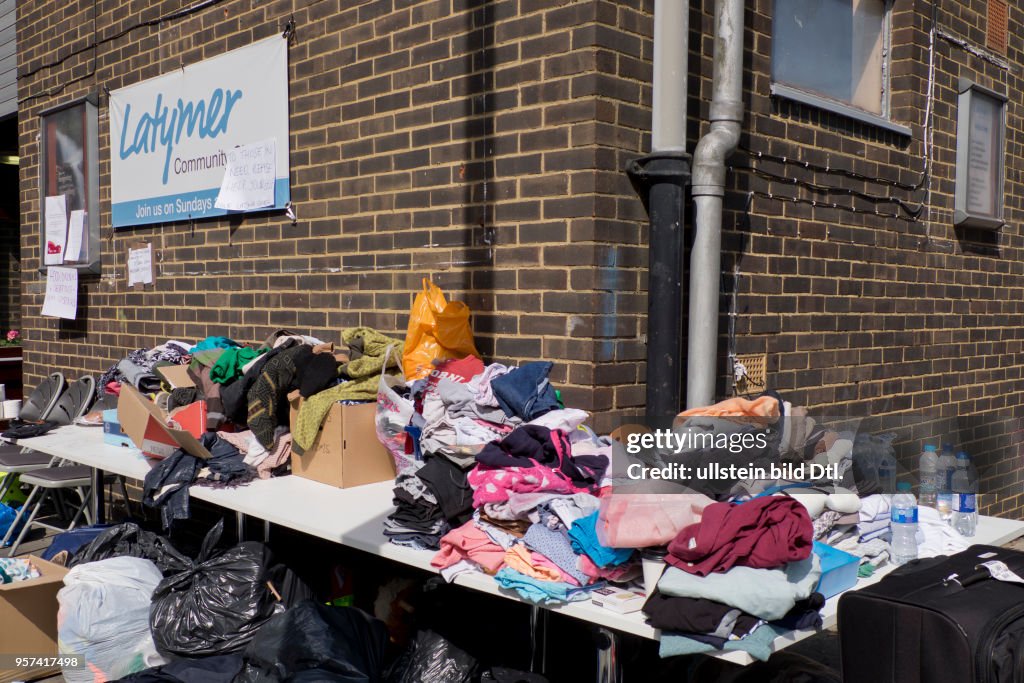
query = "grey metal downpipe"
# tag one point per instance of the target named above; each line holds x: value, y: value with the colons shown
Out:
x: 708, y: 190
x: 660, y: 178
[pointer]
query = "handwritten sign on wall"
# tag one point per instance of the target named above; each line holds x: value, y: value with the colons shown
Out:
x: 61, y: 293
x: 249, y: 177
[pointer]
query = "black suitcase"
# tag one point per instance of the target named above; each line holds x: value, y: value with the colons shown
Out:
x: 940, y: 620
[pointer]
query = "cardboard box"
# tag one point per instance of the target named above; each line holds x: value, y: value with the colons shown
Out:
x: 146, y: 424
x: 112, y: 433
x: 176, y: 375
x: 28, y: 615
x: 346, y: 452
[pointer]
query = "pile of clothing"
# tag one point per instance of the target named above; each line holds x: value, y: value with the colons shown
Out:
x: 507, y: 482
x: 738, y: 578
x: 16, y: 569
x: 138, y: 367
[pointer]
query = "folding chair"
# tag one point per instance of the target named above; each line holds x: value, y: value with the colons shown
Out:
x: 15, y: 460
x: 49, y: 481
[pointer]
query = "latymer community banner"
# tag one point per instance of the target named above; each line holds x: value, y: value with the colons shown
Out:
x: 171, y: 137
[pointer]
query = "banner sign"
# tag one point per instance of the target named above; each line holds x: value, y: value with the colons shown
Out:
x: 171, y: 137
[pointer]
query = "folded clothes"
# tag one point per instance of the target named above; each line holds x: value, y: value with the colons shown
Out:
x: 583, y: 535
x: 468, y: 542
x: 448, y: 483
x: 555, y: 546
x: 764, y: 593
x: 525, y: 392
x: 623, y: 573
x: 495, y: 484
x: 804, y: 616
x: 762, y: 406
x: 531, y: 445
x: 874, y: 507
x: 758, y: 644
x: 697, y: 615
x: 519, y: 558
x: 762, y: 533
x: 539, y: 592
x: 641, y: 520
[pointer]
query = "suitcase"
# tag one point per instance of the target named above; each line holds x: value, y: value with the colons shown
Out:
x: 940, y: 620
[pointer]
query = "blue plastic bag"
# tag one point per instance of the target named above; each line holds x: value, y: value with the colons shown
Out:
x: 7, y: 516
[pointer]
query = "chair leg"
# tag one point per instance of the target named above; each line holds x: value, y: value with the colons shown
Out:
x: 6, y: 483
x: 28, y: 524
x: 83, y: 508
x: 124, y: 492
x: 17, y: 518
x: 58, y: 501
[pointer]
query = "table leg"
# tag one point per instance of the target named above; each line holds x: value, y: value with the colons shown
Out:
x: 240, y: 526
x: 266, y: 532
x: 98, y: 506
x: 538, y: 639
x: 608, y: 670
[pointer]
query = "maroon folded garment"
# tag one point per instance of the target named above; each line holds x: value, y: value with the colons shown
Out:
x: 762, y: 533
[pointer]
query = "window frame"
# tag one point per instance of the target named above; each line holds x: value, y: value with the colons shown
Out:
x: 91, y: 195
x: 796, y: 93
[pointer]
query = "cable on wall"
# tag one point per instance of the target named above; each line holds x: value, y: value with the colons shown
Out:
x: 911, y: 210
x: 95, y: 44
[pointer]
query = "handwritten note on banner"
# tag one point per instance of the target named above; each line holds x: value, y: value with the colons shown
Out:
x: 249, y: 177
x: 61, y: 293
x: 56, y: 229
x: 140, y: 266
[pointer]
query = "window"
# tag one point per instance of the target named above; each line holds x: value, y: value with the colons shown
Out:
x: 980, y: 144
x: 831, y: 53
x: 70, y: 171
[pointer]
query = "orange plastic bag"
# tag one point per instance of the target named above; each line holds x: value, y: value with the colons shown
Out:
x: 438, y: 330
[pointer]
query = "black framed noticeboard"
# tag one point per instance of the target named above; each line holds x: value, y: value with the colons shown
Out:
x: 69, y: 186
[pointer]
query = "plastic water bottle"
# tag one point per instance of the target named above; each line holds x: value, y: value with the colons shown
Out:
x: 965, y: 508
x: 947, y: 466
x: 887, y: 474
x: 903, y: 521
x: 928, y: 467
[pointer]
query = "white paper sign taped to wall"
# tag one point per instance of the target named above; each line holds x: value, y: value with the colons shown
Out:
x: 140, y: 265
x: 76, y: 231
x: 56, y: 222
x: 249, y: 177
x: 61, y: 293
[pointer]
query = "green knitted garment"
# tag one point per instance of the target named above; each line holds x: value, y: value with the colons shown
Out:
x: 367, y: 347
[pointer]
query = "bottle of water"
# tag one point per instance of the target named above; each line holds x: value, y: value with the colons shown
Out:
x: 903, y: 521
x: 887, y: 474
x: 928, y: 467
x: 965, y: 509
x: 947, y: 466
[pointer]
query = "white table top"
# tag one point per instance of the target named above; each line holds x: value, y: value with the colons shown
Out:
x: 355, y: 517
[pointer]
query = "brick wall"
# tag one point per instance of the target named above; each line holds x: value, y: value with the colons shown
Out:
x: 479, y: 143
x: 482, y: 143
x: 864, y: 314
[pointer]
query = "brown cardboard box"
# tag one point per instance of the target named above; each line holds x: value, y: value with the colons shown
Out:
x: 347, y: 452
x: 146, y: 424
x: 28, y: 616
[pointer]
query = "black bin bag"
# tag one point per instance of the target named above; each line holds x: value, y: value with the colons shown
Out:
x: 217, y: 604
x: 430, y: 657
x: 130, y: 540
x: 314, y: 642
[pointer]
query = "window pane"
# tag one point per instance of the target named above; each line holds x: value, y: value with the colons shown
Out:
x: 832, y: 48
